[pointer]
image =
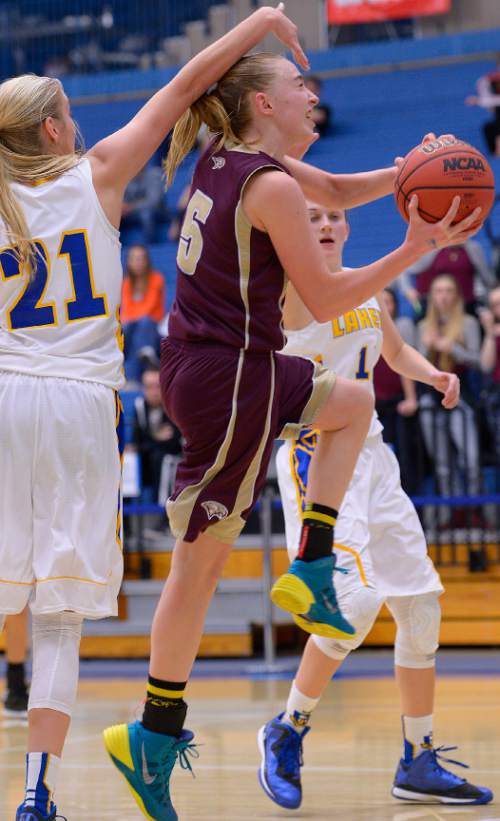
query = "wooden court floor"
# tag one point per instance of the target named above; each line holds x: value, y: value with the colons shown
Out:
x: 350, y: 755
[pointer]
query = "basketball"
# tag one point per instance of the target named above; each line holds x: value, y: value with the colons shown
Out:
x: 439, y: 170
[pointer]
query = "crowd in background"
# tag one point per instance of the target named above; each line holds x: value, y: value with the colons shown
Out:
x: 451, y: 314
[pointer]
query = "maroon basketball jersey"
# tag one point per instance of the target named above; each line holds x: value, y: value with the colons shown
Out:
x: 230, y: 282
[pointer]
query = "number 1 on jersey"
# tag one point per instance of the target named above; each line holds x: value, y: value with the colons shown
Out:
x: 362, y: 373
x: 84, y: 304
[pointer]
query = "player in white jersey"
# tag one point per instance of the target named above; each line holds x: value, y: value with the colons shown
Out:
x: 61, y: 368
x: 380, y: 548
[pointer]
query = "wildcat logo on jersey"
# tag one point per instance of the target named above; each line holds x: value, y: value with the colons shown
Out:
x: 215, y: 510
x: 218, y: 163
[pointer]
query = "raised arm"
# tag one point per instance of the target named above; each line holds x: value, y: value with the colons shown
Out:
x: 118, y: 158
x: 342, y: 190
x: 274, y: 203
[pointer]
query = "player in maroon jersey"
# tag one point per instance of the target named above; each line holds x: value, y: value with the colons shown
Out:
x: 223, y: 383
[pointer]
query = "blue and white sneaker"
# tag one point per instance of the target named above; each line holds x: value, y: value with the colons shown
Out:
x: 281, y: 750
x: 146, y: 760
x: 307, y: 591
x: 31, y: 814
x: 424, y: 780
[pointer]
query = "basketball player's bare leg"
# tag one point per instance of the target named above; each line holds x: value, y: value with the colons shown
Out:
x: 180, y: 615
x: 306, y: 590
x: 47, y: 731
x: 416, y: 686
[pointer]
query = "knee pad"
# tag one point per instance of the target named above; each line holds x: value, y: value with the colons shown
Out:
x: 418, y: 619
x: 56, y: 652
x: 360, y: 607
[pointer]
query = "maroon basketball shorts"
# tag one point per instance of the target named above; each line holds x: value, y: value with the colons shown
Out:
x: 230, y: 406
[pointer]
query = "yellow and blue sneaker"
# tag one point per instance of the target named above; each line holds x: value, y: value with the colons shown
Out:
x: 307, y: 591
x: 280, y: 746
x: 25, y: 813
x: 423, y: 780
x: 146, y: 760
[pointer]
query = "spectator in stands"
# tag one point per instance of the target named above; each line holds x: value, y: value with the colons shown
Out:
x: 490, y: 365
x: 144, y: 204
x: 488, y: 96
x: 322, y: 114
x: 450, y: 339
x: 396, y: 401
x: 143, y: 307
x: 154, y: 435
x: 466, y: 263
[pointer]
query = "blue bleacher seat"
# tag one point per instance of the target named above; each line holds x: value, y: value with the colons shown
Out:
x: 128, y: 398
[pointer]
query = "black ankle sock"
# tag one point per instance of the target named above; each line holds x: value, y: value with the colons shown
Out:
x: 316, y: 538
x: 16, y: 677
x: 165, y: 709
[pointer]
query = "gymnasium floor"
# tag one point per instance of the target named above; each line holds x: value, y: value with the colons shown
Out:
x: 350, y: 754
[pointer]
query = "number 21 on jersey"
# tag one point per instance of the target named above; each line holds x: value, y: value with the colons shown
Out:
x: 30, y: 309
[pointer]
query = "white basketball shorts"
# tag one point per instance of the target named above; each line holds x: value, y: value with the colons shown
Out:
x: 378, y: 536
x: 60, y: 504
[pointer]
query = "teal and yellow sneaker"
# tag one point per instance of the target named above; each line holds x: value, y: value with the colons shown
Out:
x: 423, y: 780
x: 307, y: 592
x: 25, y: 813
x: 146, y: 760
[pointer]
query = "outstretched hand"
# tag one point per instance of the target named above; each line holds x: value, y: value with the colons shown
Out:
x: 287, y: 32
x: 449, y: 385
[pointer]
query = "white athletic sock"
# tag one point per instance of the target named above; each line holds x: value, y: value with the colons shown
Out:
x: 41, y: 777
x: 418, y: 732
x: 298, y: 708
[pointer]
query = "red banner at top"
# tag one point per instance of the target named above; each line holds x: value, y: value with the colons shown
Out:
x: 369, y: 11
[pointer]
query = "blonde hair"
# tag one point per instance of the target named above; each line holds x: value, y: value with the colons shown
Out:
x: 25, y: 102
x: 453, y: 330
x: 226, y: 111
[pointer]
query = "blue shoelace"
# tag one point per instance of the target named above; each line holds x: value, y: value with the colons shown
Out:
x: 289, y: 751
x: 437, y: 757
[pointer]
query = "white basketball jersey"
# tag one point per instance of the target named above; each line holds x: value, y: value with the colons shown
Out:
x: 349, y: 345
x: 64, y: 322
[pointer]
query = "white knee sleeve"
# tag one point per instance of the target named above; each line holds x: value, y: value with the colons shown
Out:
x: 418, y: 619
x: 360, y: 607
x: 56, y: 651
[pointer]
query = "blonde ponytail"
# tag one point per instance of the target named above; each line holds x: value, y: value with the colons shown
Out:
x: 207, y: 110
x: 226, y: 111
x: 25, y: 102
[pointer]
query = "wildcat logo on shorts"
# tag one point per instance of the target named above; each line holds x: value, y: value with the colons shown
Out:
x: 218, y: 163
x: 215, y: 510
